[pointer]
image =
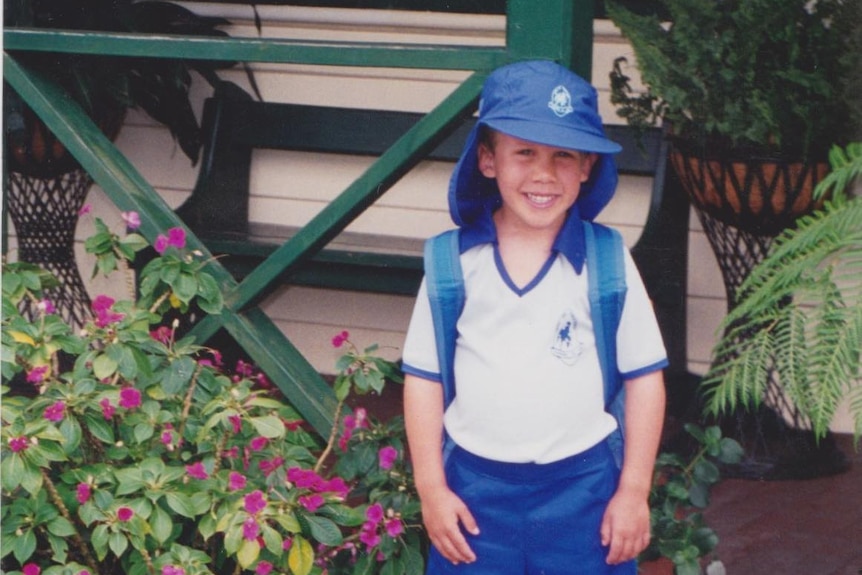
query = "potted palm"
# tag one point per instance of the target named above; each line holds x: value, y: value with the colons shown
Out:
x: 45, y: 189
x: 754, y: 93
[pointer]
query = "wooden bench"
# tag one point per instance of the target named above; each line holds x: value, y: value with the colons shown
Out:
x: 234, y: 126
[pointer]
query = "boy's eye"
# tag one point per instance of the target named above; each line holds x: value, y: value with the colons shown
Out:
x: 565, y: 154
x: 525, y: 152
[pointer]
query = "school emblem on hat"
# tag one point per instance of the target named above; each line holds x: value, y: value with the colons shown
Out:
x: 561, y: 101
x: 566, y: 347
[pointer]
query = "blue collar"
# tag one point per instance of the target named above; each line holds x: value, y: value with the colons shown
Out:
x: 569, y: 242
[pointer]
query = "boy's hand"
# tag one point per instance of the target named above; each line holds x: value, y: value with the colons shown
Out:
x: 443, y: 513
x: 625, y: 527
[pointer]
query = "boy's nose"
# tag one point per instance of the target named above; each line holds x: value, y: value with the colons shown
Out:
x: 544, y: 170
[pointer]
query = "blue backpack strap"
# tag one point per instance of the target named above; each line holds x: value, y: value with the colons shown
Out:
x: 444, y: 281
x: 607, y: 290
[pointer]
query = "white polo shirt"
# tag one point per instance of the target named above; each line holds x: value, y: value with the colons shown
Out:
x: 528, y: 380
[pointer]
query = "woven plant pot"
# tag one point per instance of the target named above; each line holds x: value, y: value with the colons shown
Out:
x: 759, y: 194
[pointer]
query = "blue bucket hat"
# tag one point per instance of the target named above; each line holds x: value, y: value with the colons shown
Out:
x: 544, y: 103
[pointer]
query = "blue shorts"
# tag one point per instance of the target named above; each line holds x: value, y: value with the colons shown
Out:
x: 534, y: 519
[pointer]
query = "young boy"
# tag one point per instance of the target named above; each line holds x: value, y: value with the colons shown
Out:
x: 531, y: 486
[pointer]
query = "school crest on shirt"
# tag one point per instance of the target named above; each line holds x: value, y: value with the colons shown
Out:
x: 566, y: 347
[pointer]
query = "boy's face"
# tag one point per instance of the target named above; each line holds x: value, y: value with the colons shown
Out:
x: 538, y: 183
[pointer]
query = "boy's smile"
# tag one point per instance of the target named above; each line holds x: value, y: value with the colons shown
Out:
x: 538, y: 183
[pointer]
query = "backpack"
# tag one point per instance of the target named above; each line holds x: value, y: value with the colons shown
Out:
x: 606, y: 292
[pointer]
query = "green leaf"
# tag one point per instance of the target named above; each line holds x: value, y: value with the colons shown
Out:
x: 99, y: 539
x: 143, y: 432
x: 12, y: 472
x: 323, y: 530
x: 185, y: 287
x: 61, y: 527
x: 178, y: 375
x: 100, y: 428
x: 248, y: 553
x: 161, y: 524
x: 181, y: 504
x: 118, y: 543
x: 24, y: 546
x: 300, y: 559
x: 268, y: 426
x: 104, y: 366
x: 71, y: 430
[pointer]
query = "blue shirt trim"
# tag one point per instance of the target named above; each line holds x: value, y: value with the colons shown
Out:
x: 657, y: 366
x: 430, y: 376
x: 570, y: 240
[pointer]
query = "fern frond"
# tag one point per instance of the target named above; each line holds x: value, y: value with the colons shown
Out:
x: 846, y: 166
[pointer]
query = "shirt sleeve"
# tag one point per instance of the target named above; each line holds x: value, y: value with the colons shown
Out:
x: 640, y: 349
x: 420, y: 345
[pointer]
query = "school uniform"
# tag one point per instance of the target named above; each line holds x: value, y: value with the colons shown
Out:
x: 528, y: 419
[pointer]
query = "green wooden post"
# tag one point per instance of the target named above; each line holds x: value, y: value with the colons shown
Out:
x: 560, y: 30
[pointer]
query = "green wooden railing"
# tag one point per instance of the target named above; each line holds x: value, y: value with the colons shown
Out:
x: 561, y: 30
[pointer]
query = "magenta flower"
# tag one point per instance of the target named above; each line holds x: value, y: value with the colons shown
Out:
x: 17, y: 444
x: 31, y: 569
x: 258, y: 443
x: 104, y: 314
x: 130, y: 398
x: 55, y: 412
x: 167, y: 437
x: 132, y: 219
x: 339, y: 339
x: 231, y: 453
x: 304, y: 478
x: 236, y: 481
x: 161, y: 244
x: 268, y: 466
x: 162, y: 334
x: 374, y: 513
x: 171, y: 570
x: 387, y: 457
x: 177, y: 238
x: 250, y: 529
x: 235, y: 422
x: 85, y: 209
x: 286, y: 544
x: 83, y: 572
x: 37, y: 374
x: 243, y: 368
x: 83, y: 493
x: 197, y: 471
x: 263, y: 568
x: 102, y: 302
x: 46, y: 306
x: 254, y: 502
x: 312, y: 502
x: 125, y: 514
x: 108, y: 410
x: 336, y: 485
x: 394, y: 527
x: 368, y: 534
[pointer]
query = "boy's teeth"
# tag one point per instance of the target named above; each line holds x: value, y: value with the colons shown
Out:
x: 539, y: 199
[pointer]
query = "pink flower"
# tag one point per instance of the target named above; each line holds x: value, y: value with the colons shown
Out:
x: 162, y: 334
x: 167, y: 437
x: 340, y: 338
x: 374, y: 513
x: 258, y: 443
x: 171, y: 570
x: 83, y: 493
x: 361, y: 417
x: 236, y: 481
x: 231, y: 453
x: 125, y: 514
x: 55, y: 412
x: 235, y: 422
x: 177, y: 238
x: 107, y: 409
x: 394, y: 527
x: 336, y: 485
x: 243, y: 369
x: 268, y: 466
x: 311, y: 502
x: 85, y: 209
x: 104, y: 314
x: 254, y: 502
x: 304, y: 478
x: 46, y: 307
x: 83, y: 572
x: 37, y: 374
x: 161, y: 244
x: 31, y: 569
x: 102, y: 302
x: 250, y: 529
x: 286, y: 544
x: 197, y: 471
x: 368, y: 534
x: 132, y: 219
x: 387, y: 457
x: 130, y: 398
x: 263, y: 568
x: 17, y: 444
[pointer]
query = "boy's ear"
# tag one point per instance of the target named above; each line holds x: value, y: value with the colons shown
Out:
x: 589, y: 160
x: 485, y: 160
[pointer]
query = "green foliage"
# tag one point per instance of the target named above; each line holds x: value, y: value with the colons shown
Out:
x: 680, y: 492
x: 749, y: 73
x: 800, y: 313
x: 140, y: 454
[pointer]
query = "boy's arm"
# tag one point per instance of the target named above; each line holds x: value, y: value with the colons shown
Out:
x: 443, y: 512
x: 626, y: 524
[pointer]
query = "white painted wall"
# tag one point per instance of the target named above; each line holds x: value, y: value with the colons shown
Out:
x: 289, y: 188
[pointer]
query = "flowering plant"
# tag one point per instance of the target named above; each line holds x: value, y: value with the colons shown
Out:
x: 127, y: 448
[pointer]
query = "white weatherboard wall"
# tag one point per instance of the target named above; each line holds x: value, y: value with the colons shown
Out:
x: 290, y: 188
